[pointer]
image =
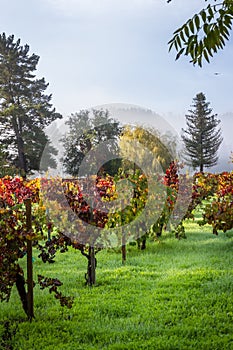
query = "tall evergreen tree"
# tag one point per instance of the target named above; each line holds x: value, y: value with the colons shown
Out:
x: 25, y: 110
x: 202, y: 137
x: 86, y: 132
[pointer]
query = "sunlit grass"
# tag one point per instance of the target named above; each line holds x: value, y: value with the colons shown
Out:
x: 177, y: 294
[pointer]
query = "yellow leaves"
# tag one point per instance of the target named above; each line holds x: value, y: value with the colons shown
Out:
x: 134, y: 210
x: 139, y: 145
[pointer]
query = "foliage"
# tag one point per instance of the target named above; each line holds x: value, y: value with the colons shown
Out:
x: 215, y: 189
x: 205, y: 33
x: 162, y: 147
x: 204, y: 187
x: 25, y: 108
x: 213, y: 194
x: 219, y: 212
x: 202, y: 138
x: 152, y: 152
x: 70, y: 211
x: 87, y: 132
x: 72, y: 198
x: 171, y: 181
x: 14, y: 233
x: 129, y: 208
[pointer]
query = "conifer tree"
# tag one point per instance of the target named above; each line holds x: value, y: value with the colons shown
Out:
x: 202, y: 137
x: 25, y: 110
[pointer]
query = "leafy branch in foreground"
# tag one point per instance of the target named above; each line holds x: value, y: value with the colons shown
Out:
x: 205, y: 33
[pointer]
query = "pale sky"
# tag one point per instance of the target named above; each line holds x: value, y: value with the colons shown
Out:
x: 95, y: 52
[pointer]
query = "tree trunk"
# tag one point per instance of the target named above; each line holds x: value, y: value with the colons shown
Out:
x: 141, y: 243
x: 20, y: 285
x: 123, y: 249
x: 22, y: 158
x: 27, y: 298
x: 160, y: 227
x: 20, y: 147
x: 29, y: 260
x: 91, y: 276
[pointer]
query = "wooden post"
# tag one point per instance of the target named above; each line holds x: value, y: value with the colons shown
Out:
x: 123, y: 243
x: 29, y: 260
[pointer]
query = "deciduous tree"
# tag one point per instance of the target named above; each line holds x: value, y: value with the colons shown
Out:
x: 205, y: 33
x: 86, y: 132
x: 163, y: 147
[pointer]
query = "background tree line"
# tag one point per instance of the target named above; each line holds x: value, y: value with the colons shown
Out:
x: 26, y: 110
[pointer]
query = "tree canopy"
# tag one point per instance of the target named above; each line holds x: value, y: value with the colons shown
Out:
x: 25, y: 109
x: 87, y: 131
x: 203, y: 35
x: 162, y: 147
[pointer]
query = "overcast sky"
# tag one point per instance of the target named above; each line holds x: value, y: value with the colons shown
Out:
x: 96, y: 52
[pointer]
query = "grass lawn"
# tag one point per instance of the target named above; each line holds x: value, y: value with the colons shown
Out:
x: 174, y: 295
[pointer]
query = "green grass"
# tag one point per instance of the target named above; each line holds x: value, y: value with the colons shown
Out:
x: 174, y: 295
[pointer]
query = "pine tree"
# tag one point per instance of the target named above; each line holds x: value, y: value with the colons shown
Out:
x: 25, y: 110
x: 202, y: 137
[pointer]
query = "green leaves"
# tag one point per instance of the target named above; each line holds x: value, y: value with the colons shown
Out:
x: 25, y: 109
x: 87, y: 130
x: 204, y: 34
